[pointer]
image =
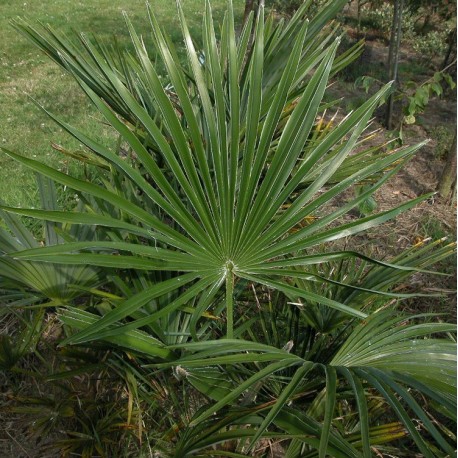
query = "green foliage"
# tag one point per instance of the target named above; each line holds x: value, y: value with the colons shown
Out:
x: 432, y: 228
x: 428, y: 44
x: 37, y: 282
x: 443, y: 136
x: 25, y: 72
x: 89, y: 406
x: 419, y: 99
x: 203, y: 251
x: 288, y: 7
x: 22, y: 341
x: 369, y: 205
x: 380, y: 19
x: 432, y: 44
x: 415, y: 97
x: 446, y: 9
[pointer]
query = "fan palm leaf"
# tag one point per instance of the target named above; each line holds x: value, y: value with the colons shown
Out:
x: 385, y: 353
x: 220, y: 152
x: 58, y: 284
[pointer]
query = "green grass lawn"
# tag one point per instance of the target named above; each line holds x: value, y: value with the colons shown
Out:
x: 25, y: 72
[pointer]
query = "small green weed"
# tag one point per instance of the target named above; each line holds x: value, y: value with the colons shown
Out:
x: 433, y: 228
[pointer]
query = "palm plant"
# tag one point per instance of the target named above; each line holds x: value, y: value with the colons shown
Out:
x: 227, y: 186
x: 39, y: 282
x: 34, y: 286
